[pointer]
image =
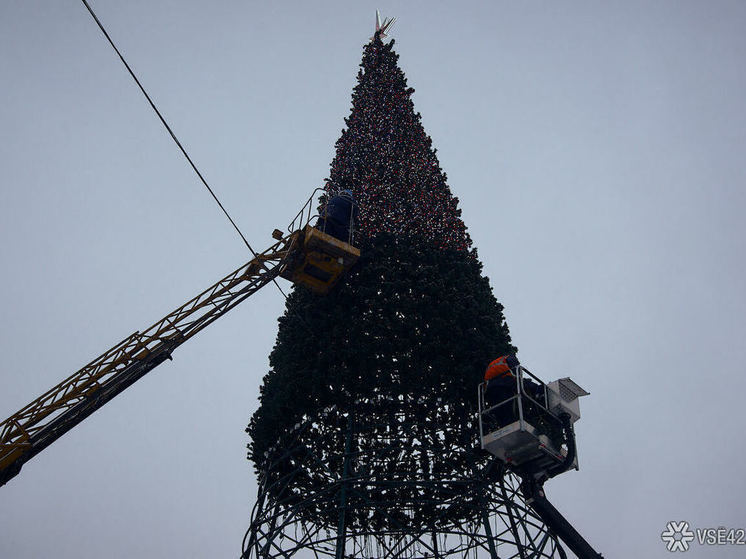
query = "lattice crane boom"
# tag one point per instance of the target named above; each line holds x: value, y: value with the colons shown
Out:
x: 37, y: 425
x: 303, y: 255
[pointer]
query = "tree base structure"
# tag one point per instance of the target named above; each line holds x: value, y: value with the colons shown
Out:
x: 370, y: 483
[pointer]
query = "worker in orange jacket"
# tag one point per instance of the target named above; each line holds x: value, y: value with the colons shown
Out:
x: 501, y: 385
x: 501, y: 367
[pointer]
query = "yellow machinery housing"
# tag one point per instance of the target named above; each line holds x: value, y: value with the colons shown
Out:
x: 320, y: 260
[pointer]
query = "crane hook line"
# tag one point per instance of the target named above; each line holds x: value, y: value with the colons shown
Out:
x: 163, y: 120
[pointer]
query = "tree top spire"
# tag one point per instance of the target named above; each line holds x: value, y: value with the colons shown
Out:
x: 382, y: 29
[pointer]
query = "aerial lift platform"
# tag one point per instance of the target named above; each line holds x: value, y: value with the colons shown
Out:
x: 531, y: 433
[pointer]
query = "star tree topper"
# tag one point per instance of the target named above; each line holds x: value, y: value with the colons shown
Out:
x: 382, y: 29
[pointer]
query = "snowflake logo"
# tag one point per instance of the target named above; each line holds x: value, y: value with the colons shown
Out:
x: 677, y: 536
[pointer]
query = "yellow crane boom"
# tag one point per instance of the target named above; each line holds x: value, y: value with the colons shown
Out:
x: 304, y: 255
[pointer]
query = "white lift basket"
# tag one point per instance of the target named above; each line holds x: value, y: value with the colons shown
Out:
x: 523, y: 427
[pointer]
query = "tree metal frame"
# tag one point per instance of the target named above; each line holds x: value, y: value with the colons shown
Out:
x: 356, y: 501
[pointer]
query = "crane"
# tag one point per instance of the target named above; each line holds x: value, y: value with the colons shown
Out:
x: 303, y: 254
x: 529, y: 429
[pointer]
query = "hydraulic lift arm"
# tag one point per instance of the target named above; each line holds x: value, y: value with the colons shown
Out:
x: 40, y: 423
x: 533, y: 490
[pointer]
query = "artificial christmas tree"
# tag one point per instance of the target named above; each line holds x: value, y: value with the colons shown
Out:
x: 365, y: 440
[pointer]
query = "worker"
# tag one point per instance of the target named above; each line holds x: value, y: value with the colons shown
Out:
x: 501, y: 367
x: 500, y: 377
x: 501, y: 373
x: 501, y: 385
x: 339, y: 216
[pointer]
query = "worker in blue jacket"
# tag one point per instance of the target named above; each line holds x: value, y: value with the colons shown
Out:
x: 339, y: 216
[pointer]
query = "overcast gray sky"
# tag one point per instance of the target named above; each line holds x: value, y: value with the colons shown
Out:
x: 598, y: 153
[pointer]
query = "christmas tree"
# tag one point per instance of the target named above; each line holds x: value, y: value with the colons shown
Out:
x: 367, y: 418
